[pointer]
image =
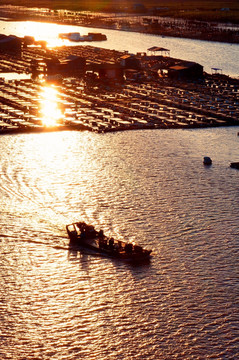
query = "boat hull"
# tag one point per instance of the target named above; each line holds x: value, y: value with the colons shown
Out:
x: 106, y: 246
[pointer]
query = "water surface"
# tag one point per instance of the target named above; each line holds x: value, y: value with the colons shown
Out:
x: 150, y: 186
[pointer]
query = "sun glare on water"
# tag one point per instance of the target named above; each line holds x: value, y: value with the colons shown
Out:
x: 50, y: 111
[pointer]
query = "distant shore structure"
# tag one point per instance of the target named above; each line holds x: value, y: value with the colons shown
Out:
x: 156, y: 49
x: 216, y: 70
x: 77, y: 37
x: 139, y: 18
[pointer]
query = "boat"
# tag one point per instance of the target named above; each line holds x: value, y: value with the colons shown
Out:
x: 235, y: 165
x: 72, y: 36
x: 96, y: 37
x: 207, y: 160
x: 77, y: 37
x: 86, y: 236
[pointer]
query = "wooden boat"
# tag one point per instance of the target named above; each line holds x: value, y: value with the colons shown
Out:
x: 85, y: 236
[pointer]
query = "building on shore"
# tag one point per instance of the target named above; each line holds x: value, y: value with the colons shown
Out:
x: 10, y: 43
x: 186, y: 70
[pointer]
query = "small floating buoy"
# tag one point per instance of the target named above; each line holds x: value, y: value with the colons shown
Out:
x: 207, y: 160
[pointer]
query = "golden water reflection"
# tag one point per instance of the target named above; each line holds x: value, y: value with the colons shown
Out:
x: 48, y: 32
x: 49, y: 109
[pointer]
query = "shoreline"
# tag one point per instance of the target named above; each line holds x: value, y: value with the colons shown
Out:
x: 145, y: 24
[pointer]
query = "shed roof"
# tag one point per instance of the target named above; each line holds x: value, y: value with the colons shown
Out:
x: 157, y: 48
x: 5, y: 38
x: 126, y: 56
x: 178, y: 67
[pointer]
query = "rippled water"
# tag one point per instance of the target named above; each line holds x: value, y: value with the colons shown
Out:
x: 207, y: 53
x: 149, y: 186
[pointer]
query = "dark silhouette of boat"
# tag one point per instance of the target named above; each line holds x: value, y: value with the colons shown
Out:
x: 207, y: 160
x: 235, y: 165
x: 85, y: 236
x: 77, y: 37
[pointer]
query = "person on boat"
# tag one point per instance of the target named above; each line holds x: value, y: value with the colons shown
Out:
x: 89, y: 231
x: 101, y: 244
x: 138, y: 249
x: 83, y: 234
x: 111, y: 243
x: 128, y: 248
x: 101, y: 234
x: 117, y: 246
x: 81, y: 226
x: 121, y: 246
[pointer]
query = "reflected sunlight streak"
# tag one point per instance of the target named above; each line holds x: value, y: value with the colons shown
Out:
x: 39, y: 31
x: 48, y: 32
x: 51, y: 114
